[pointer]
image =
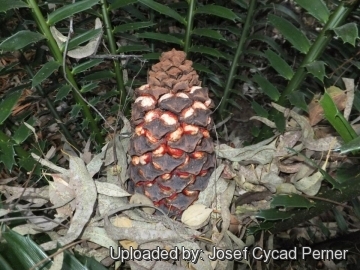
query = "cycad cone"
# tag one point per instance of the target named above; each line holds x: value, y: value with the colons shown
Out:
x: 172, y: 154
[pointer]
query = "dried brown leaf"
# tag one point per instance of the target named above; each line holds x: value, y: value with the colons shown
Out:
x: 288, y: 140
x: 4, y: 212
x: 106, y: 203
x: 322, y: 144
x: 86, y: 155
x: 316, y: 112
x: 99, y: 254
x: 110, y: 189
x: 225, y: 201
x: 146, y: 265
x: 264, y: 120
x: 288, y: 168
x: 307, y: 132
x: 58, y: 261
x: 310, y: 185
x: 250, y: 196
x: 7, y: 180
x: 51, y: 153
x: 127, y: 223
x: 38, y: 196
x: 83, y: 185
x: 61, y: 195
x: 286, y: 188
x: 122, y: 222
x: 99, y: 236
x: 261, y: 153
x: 142, y: 199
x: 350, y: 94
x: 32, y: 130
x: 91, y: 47
x: 95, y: 164
x: 42, y: 223
x: 304, y: 171
x: 201, y: 264
x: 207, y: 196
x: 271, y: 181
x: 25, y: 229
x: 141, y: 235
x: 196, y: 216
x: 122, y: 144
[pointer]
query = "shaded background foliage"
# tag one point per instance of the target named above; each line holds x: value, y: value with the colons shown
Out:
x: 248, y: 53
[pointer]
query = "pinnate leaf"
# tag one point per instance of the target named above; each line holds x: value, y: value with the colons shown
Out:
x: 132, y: 26
x: 75, y: 111
x: 316, y: 8
x: 291, y: 33
x: 264, y: 226
x: 121, y: 3
x: 279, y: 64
x: 45, y: 72
x: 133, y: 48
x: 163, y: 10
x: 20, y: 40
x: 207, y: 50
x: 23, y: 132
x: 208, y: 33
x: 86, y: 65
x: 63, y: 92
x: 317, y: 68
x: 88, y: 87
x: 235, y: 104
x: 297, y: 98
x: 151, y: 56
x: 279, y: 120
x: 7, y: 154
x: 286, y: 10
x: 215, y: 79
x: 267, y: 87
x: 267, y: 40
x: 70, y: 9
x: 99, y: 75
x: 25, y: 250
x: 84, y: 37
x: 7, y: 104
x: 356, y: 104
x: 259, y: 110
x: 161, y: 37
x: 336, y: 119
x: 10, y: 4
x: 202, y: 68
x: 273, y: 214
x: 293, y: 200
x: 353, y: 145
x: 348, y: 32
x: 28, y: 163
x: 219, y: 11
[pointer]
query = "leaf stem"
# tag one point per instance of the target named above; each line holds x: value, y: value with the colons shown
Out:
x: 239, y: 51
x: 113, y: 50
x: 189, y: 25
x: 315, y: 51
x: 44, y: 27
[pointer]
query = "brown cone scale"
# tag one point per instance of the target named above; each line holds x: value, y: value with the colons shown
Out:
x: 172, y: 153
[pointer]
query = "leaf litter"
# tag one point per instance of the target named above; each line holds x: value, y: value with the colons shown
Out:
x: 92, y: 194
